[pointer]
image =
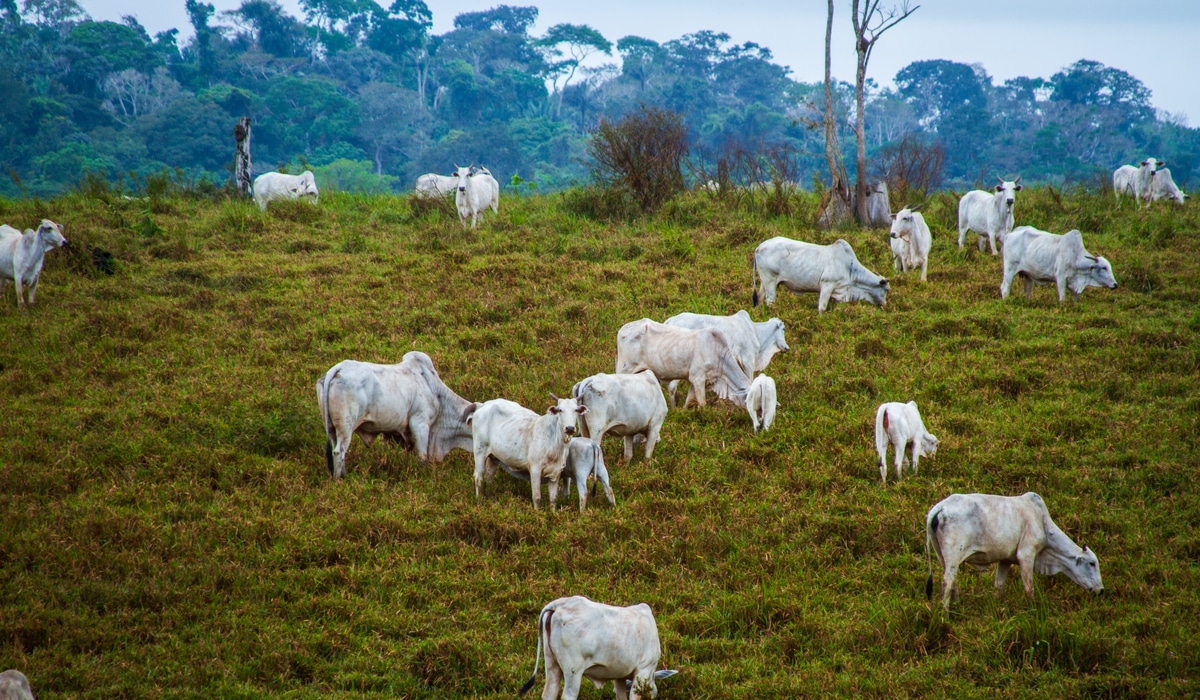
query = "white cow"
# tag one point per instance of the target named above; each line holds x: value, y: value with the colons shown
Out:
x: 704, y: 357
x: 879, y: 208
x: 988, y: 213
x: 272, y: 186
x: 407, y: 401
x: 625, y: 405
x: 475, y: 192
x: 1143, y: 184
x: 754, y: 343
x: 1165, y: 188
x: 761, y: 402
x: 1125, y: 181
x: 900, y: 425
x: 15, y: 686
x: 910, y: 240
x: 432, y: 185
x: 981, y: 530
x: 22, y: 255
x: 832, y: 270
x: 584, y: 458
x: 506, y: 432
x: 586, y: 639
x: 1041, y: 258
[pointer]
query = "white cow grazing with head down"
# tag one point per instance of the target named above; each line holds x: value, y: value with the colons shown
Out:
x: 910, y: 241
x: 1143, y: 184
x: 980, y: 530
x: 988, y: 213
x: 1041, y: 258
x: 1165, y: 188
x: 761, y: 402
x: 754, y: 343
x: 704, y: 357
x: 476, y: 191
x: 522, y: 441
x: 900, y: 425
x: 22, y: 255
x: 15, y: 686
x: 586, y: 639
x: 407, y: 401
x: 432, y: 185
x: 272, y: 186
x: 626, y: 405
x: 832, y: 270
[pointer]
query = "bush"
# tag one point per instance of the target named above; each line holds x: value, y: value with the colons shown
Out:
x: 641, y: 154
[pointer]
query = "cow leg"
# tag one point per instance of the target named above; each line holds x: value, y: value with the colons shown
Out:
x: 979, y: 242
x: 1028, y: 284
x: 33, y: 289
x: 1025, y: 559
x: 420, y: 430
x: 1002, y: 572
x: 949, y: 586
x: 1010, y: 272
x: 571, y: 682
x: 924, y: 266
x: 1061, y: 283
x: 20, y: 292
x: 553, y: 494
x: 899, y: 458
x: 672, y: 387
x: 535, y: 482
x: 695, y: 390
x: 652, y: 438
x: 554, y: 674
x: 621, y: 689
x: 340, y: 448
x: 581, y: 487
x: 481, y: 458
x: 916, y: 453
x: 628, y: 454
x: 823, y: 300
x: 992, y: 242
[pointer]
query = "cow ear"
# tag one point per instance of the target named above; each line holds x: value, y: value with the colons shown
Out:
x: 1017, y: 188
x: 999, y: 188
x: 581, y: 410
x: 555, y: 410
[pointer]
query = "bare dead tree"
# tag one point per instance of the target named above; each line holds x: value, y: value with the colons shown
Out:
x: 241, y: 160
x: 837, y: 206
x: 870, y: 22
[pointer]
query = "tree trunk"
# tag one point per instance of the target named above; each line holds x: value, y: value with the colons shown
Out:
x: 241, y: 161
x: 862, y: 47
x: 837, y: 208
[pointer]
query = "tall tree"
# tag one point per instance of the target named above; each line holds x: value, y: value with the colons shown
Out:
x: 870, y: 22
x: 839, y: 188
x: 581, y: 41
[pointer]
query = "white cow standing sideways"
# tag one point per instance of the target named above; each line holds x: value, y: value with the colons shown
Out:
x: 475, y: 192
x: 900, y: 424
x: 432, y: 185
x: 1165, y: 188
x: 988, y: 213
x: 980, y: 530
x: 832, y: 270
x: 762, y: 401
x: 754, y: 343
x: 910, y: 241
x: 586, y: 639
x: 626, y: 405
x: 521, y: 440
x: 23, y: 254
x: 15, y: 686
x: 272, y: 186
x: 406, y: 400
x: 1041, y: 258
x: 704, y: 357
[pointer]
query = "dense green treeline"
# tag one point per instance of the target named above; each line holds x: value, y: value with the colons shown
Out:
x: 370, y: 97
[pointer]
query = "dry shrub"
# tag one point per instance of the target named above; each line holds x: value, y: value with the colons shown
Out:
x: 641, y: 154
x: 912, y: 167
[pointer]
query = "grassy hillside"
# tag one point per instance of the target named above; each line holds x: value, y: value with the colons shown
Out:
x: 168, y: 529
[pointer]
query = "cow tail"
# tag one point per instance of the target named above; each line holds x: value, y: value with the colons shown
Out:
x: 930, y: 533
x: 543, y: 628
x: 329, y: 425
x: 753, y: 283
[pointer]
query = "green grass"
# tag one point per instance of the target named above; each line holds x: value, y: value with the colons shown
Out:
x: 167, y: 527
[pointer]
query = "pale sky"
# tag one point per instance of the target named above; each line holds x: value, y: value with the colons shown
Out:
x: 1154, y: 40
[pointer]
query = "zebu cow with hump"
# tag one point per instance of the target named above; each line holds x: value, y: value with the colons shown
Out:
x: 831, y: 270
x: 520, y: 440
x: 476, y: 191
x: 754, y: 343
x: 910, y: 241
x: 271, y: 186
x: 1041, y: 258
x: 988, y: 213
x: 981, y: 530
x: 704, y: 357
x: 407, y: 401
x: 23, y: 254
x: 626, y: 405
x: 586, y: 639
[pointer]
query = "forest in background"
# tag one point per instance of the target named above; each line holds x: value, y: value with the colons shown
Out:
x: 369, y: 97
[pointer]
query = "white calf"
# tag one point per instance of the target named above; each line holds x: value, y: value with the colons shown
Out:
x: 910, y: 241
x: 761, y: 401
x: 900, y: 425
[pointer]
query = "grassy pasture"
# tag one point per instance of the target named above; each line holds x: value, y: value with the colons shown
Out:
x: 167, y: 527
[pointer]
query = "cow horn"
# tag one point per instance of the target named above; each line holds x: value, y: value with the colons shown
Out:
x: 554, y: 397
x: 918, y: 206
x: 1000, y: 179
x: 1017, y: 181
x: 1093, y: 258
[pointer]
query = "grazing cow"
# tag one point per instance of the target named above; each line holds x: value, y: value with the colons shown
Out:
x: 988, y: 213
x: 506, y: 432
x: 762, y: 401
x: 703, y: 357
x: 900, y: 425
x: 625, y: 405
x: 754, y: 343
x: 272, y: 186
x: 22, y: 255
x: 407, y: 401
x: 980, y: 530
x: 1041, y: 258
x: 475, y: 192
x: 15, y: 686
x: 910, y: 241
x: 432, y: 185
x: 1143, y: 184
x: 833, y: 270
x: 1165, y: 188
x: 879, y: 208
x: 586, y: 639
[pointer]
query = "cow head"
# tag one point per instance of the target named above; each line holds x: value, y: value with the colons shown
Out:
x: 929, y: 445
x: 902, y: 224
x: 1007, y: 191
x: 1084, y: 569
x: 568, y: 412
x: 51, y: 234
x: 1098, y: 271
x: 1152, y: 165
x: 463, y: 175
x: 772, y: 343
x: 307, y: 186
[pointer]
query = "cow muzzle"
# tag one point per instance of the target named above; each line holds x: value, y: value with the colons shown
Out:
x: 1010, y: 202
x: 570, y: 430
